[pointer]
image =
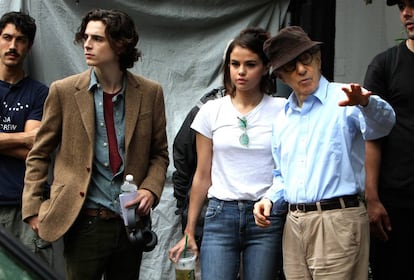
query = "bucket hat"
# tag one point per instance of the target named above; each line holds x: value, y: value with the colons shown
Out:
x: 288, y: 44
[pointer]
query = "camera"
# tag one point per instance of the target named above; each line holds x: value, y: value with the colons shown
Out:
x: 139, y: 230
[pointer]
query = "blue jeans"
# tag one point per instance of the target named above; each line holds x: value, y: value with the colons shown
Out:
x: 231, y: 237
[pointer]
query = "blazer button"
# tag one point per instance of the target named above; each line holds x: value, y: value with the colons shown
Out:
x: 88, y: 169
x: 82, y: 194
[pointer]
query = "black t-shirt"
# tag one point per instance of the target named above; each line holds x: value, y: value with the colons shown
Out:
x: 391, y: 75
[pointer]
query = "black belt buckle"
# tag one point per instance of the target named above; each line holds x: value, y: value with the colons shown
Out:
x: 103, y: 214
x: 304, y: 207
x: 301, y: 207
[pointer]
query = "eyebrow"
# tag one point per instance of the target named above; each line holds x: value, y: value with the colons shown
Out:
x: 13, y: 35
x: 95, y: 36
x: 246, y: 61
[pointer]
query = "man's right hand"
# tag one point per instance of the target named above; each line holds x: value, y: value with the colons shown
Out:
x: 379, y: 220
x: 261, y: 212
x: 34, y: 223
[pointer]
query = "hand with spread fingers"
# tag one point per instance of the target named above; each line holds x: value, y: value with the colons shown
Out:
x: 357, y: 95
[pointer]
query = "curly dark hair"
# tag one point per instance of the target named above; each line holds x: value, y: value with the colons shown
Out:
x: 23, y: 22
x: 251, y: 38
x: 120, y: 31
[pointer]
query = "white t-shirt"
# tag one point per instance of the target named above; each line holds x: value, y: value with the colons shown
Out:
x: 239, y: 172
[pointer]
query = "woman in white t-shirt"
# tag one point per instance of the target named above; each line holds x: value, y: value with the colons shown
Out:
x: 234, y: 169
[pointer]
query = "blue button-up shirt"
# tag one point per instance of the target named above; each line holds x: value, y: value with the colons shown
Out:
x: 104, y: 187
x: 319, y: 148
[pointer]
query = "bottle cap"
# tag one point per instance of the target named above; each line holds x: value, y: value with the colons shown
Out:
x: 129, y: 177
x: 129, y: 184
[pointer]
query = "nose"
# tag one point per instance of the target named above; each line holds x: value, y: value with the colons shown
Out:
x: 87, y: 44
x: 12, y: 44
x: 300, y: 67
x: 242, y: 70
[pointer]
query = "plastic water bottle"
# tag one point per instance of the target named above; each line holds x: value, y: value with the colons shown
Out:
x: 128, y: 193
x: 129, y: 184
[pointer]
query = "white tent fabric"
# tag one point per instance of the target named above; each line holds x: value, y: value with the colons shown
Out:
x: 182, y: 43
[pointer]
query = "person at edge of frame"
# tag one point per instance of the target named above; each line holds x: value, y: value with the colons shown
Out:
x: 390, y: 161
x: 22, y: 100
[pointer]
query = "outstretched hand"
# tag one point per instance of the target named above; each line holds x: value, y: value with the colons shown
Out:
x: 356, y: 94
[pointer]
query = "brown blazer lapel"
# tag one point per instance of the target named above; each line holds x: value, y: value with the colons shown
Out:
x: 84, y: 100
x: 133, y: 96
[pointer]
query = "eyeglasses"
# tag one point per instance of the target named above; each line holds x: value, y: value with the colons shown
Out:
x: 244, y: 138
x: 305, y: 58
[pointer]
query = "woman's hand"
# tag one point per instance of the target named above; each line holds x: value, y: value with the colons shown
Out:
x: 175, y: 252
x: 261, y: 212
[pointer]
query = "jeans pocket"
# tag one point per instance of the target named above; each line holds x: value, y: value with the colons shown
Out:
x: 213, y: 209
x: 210, y: 213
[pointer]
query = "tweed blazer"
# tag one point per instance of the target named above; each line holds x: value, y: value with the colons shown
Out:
x: 68, y: 130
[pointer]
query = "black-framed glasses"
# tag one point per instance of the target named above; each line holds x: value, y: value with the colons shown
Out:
x: 305, y: 58
x: 244, y: 138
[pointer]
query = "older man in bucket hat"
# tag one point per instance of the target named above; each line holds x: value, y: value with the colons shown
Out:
x: 318, y: 148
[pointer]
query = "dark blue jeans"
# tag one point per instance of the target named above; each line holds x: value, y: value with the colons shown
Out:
x: 231, y: 237
x: 94, y: 248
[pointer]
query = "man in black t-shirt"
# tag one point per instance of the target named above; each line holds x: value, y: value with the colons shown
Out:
x: 390, y: 161
x: 21, y: 110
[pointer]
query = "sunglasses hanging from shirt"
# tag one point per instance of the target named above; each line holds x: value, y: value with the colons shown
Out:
x: 244, y: 138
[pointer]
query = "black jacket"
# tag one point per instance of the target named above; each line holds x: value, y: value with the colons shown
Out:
x: 185, y: 158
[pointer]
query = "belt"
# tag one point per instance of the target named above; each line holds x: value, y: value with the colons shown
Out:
x: 327, y: 204
x: 101, y: 213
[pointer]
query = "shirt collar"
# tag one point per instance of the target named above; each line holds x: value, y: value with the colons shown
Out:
x: 15, y: 85
x: 93, y: 81
x: 93, y: 84
x: 320, y: 94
